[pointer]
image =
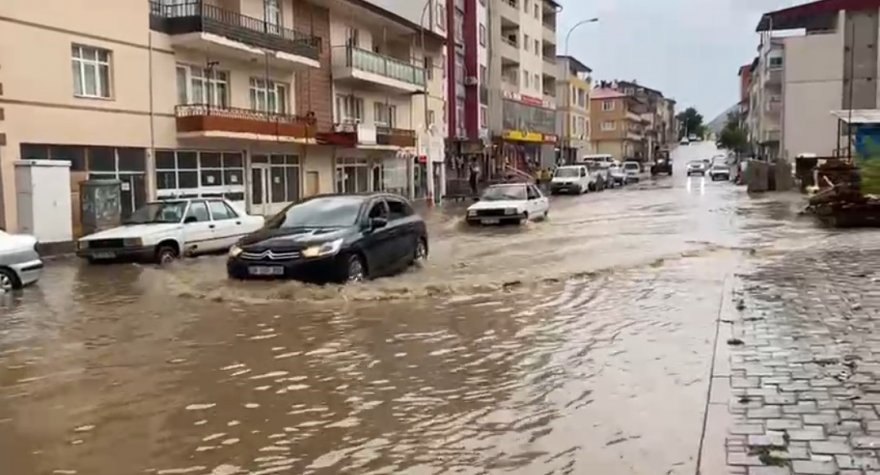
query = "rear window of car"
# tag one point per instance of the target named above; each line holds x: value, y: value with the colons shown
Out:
x: 631, y: 166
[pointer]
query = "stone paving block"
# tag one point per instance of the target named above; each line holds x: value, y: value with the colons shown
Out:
x: 830, y: 448
x: 769, y: 471
x: 777, y: 440
x: 821, y: 418
x: 743, y: 459
x: 780, y: 424
x: 814, y: 467
x: 781, y: 398
x: 862, y: 462
x: 807, y: 433
x: 866, y: 442
x: 747, y: 429
x: 739, y: 382
x: 766, y: 412
x: 806, y: 407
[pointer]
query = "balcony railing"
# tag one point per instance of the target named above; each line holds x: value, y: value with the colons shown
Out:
x: 198, y: 16
x: 382, y: 65
x: 398, y: 137
x: 207, y: 117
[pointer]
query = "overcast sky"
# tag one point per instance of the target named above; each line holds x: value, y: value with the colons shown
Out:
x: 689, y: 49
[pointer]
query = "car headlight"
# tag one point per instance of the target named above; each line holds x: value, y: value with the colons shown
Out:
x: 472, y: 212
x: 82, y: 245
x: 326, y: 249
x: 234, y: 251
x: 132, y: 242
x: 509, y: 210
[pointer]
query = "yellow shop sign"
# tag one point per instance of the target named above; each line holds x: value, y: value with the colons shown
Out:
x: 523, y: 136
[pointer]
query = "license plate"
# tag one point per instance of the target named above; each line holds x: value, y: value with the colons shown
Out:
x: 266, y: 270
x: 490, y: 221
x: 104, y: 255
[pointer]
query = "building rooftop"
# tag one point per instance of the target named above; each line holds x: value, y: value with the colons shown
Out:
x: 574, y: 64
x: 605, y: 93
x: 814, y: 15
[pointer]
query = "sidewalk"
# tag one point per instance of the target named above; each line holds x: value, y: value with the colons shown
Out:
x: 796, y: 375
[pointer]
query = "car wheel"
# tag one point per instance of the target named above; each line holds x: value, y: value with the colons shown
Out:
x: 8, y: 281
x: 354, y: 269
x: 525, y: 218
x: 421, y: 251
x: 165, y: 255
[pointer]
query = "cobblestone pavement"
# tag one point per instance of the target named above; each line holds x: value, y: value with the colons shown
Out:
x: 798, y: 362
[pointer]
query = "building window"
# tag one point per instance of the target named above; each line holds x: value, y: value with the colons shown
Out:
x: 483, y: 118
x: 441, y: 16
x: 459, y: 27
x: 196, y: 85
x: 525, y: 42
x: 429, y: 68
x: 349, y: 109
x: 273, y: 16
x: 482, y: 35
x: 200, y: 174
x: 581, y: 98
x: 431, y: 118
x: 483, y: 74
x: 537, y: 47
x: 268, y: 96
x: 91, y: 72
x: 537, y: 81
x: 607, y: 106
x: 609, y: 125
x: 774, y: 62
x: 526, y: 77
x: 384, y: 115
x: 526, y: 6
x: 537, y: 12
x: 459, y: 118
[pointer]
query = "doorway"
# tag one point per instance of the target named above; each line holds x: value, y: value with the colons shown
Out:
x: 313, y: 180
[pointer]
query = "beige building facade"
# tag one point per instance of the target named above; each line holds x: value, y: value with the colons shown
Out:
x: 617, y: 124
x: 573, y: 87
x: 232, y: 98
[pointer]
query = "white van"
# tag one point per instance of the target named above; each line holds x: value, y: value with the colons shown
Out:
x: 603, y: 159
x: 570, y: 179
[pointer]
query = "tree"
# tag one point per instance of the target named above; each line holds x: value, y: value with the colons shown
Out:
x: 733, y: 137
x: 691, y: 123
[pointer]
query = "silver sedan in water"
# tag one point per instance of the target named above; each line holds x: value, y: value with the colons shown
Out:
x: 20, y: 263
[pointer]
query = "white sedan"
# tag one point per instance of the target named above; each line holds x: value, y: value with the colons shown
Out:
x: 162, y: 231
x: 20, y: 263
x: 509, y: 203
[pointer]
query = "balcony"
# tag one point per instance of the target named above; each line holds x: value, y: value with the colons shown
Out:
x: 395, y: 137
x: 509, y: 10
x: 363, y: 68
x: 773, y: 77
x: 548, y: 34
x: 550, y: 62
x: 509, y: 50
x: 201, y: 26
x: 354, y: 135
x: 208, y: 121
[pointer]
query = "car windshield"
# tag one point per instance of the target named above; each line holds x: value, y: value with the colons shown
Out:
x: 567, y: 172
x: 696, y: 164
x: 324, y: 212
x: 506, y: 192
x: 158, y: 212
x: 631, y: 166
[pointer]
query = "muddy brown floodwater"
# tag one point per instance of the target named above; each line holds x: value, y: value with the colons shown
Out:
x: 578, y: 345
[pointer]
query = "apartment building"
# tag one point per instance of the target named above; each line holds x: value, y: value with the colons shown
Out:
x: 618, y: 126
x: 573, y: 87
x: 658, y: 116
x: 765, y: 97
x: 744, y: 73
x: 827, y: 61
x: 467, y: 89
x: 522, y: 78
x: 263, y: 102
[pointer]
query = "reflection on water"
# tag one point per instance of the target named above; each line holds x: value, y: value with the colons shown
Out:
x: 578, y: 345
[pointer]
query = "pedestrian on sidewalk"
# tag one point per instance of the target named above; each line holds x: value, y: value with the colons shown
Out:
x: 473, y: 174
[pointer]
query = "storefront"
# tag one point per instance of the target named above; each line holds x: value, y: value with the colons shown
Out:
x: 360, y: 171
x: 201, y: 174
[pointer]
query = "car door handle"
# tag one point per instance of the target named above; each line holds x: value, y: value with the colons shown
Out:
x: 238, y: 223
x: 211, y: 226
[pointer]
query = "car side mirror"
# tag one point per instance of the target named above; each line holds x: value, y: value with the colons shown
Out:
x: 378, y: 223
x: 190, y: 219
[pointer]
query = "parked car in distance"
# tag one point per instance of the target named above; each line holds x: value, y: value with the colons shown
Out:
x: 618, y: 176
x: 570, y: 179
x: 599, y: 166
x: 162, y: 231
x: 696, y: 167
x: 661, y: 165
x: 693, y: 138
x: 20, y: 263
x: 509, y: 203
x: 684, y: 141
x: 333, y: 238
x: 719, y: 171
x: 633, y: 170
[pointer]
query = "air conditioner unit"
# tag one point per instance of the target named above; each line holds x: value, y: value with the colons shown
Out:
x: 471, y: 81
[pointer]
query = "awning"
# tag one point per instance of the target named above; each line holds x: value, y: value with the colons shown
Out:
x: 858, y: 116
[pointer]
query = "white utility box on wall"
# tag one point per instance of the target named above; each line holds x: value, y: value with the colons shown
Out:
x: 43, y: 195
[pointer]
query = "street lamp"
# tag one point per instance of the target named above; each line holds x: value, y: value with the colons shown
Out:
x: 568, y: 93
x: 570, y: 30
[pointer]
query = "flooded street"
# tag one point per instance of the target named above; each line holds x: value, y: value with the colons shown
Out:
x: 579, y: 345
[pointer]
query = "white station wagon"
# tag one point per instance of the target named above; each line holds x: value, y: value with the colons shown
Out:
x: 162, y: 231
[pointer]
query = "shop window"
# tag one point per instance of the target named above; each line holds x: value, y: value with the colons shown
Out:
x: 200, y: 174
x: 102, y: 159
